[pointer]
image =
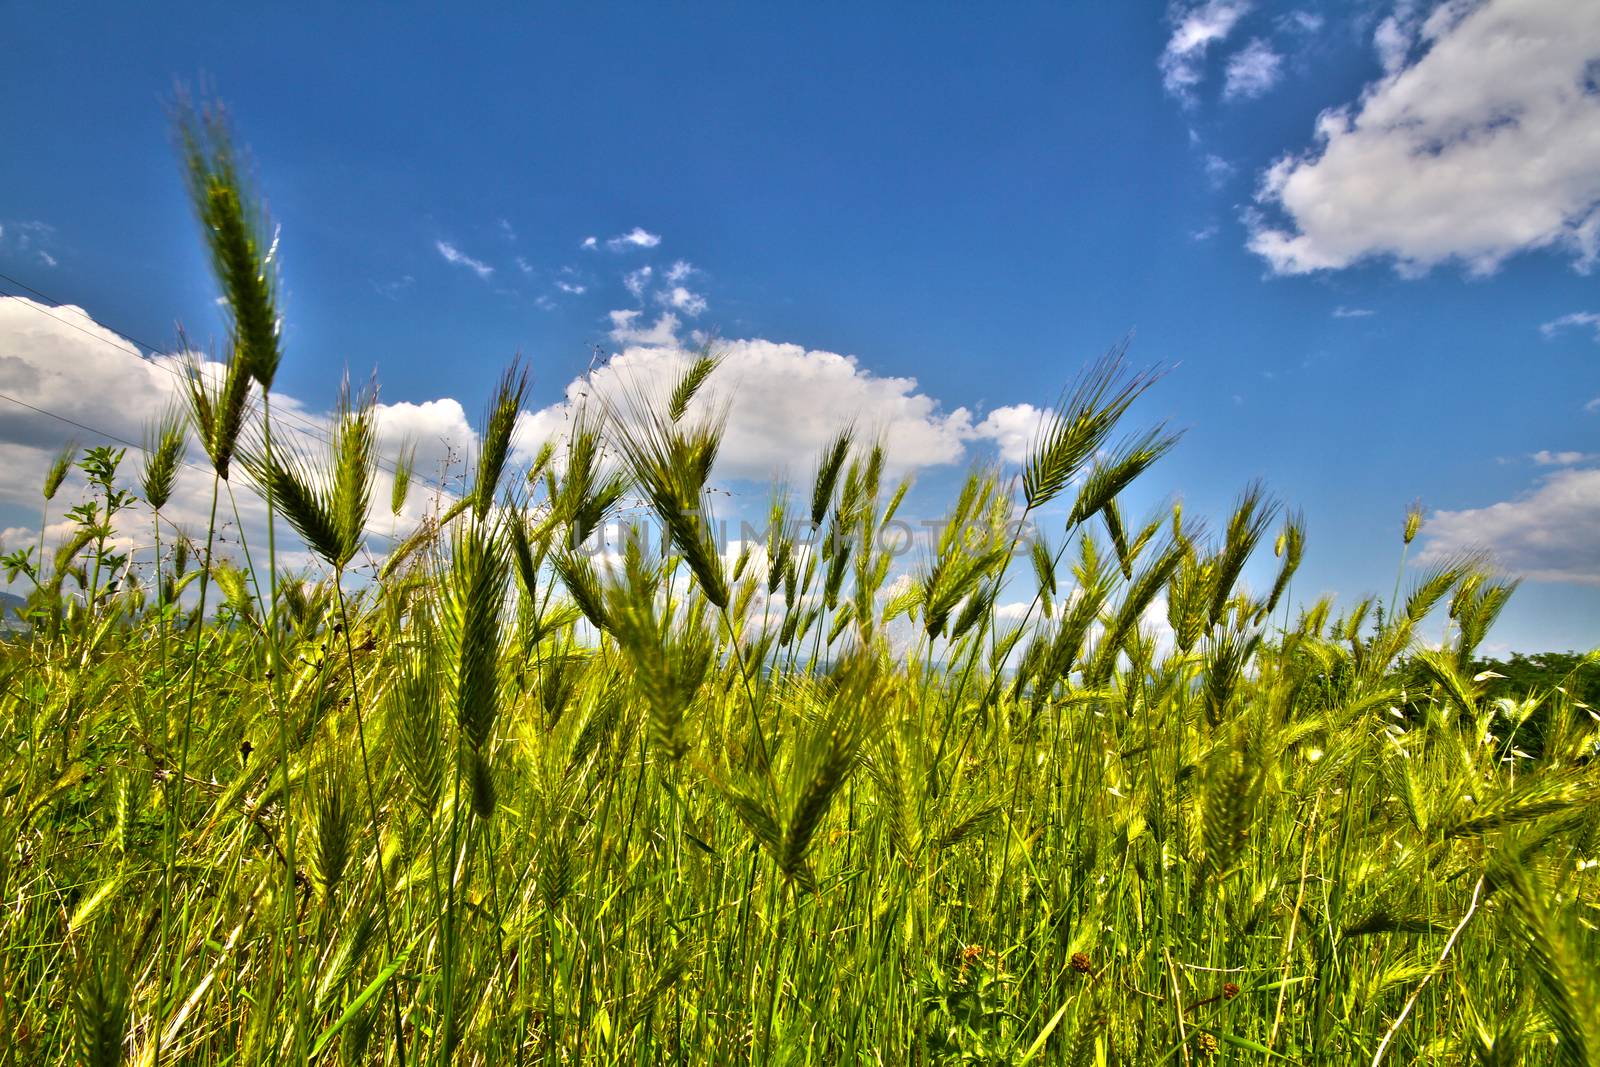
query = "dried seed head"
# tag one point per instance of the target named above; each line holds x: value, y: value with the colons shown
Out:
x: 1080, y: 962
x: 1229, y: 990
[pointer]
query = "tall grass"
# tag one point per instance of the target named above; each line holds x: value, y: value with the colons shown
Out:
x: 676, y: 807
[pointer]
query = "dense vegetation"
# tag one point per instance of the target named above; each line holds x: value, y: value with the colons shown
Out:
x: 511, y: 803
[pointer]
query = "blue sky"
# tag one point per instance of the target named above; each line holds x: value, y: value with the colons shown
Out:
x: 1351, y: 307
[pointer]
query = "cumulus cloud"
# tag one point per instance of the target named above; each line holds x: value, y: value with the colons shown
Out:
x: 682, y: 299
x: 1252, y: 71
x: 58, y: 359
x: 785, y: 403
x: 626, y: 329
x: 1485, y: 144
x: 638, y: 237
x: 1195, y: 28
x: 1546, y: 534
x: 454, y: 255
x: 1581, y: 320
x: 1012, y: 429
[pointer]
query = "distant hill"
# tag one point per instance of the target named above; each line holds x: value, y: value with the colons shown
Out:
x: 10, y: 605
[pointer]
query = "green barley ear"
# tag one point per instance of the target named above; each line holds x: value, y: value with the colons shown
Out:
x: 1436, y: 582
x: 1291, y: 547
x: 826, y: 756
x: 415, y: 725
x: 828, y: 467
x: 243, y: 257
x: 326, y: 503
x: 1561, y: 973
x: 164, y: 446
x: 100, y: 1006
x: 1076, y: 428
x: 483, y: 792
x: 1111, y: 475
x: 499, y: 422
x: 690, y: 381
x: 126, y: 811
x: 475, y: 602
x: 405, y: 465
x: 670, y: 464
x: 330, y: 830
x: 216, y: 406
x: 1251, y: 517
x: 59, y: 466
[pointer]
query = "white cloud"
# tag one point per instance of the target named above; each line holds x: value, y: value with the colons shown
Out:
x: 635, y: 281
x: 1012, y: 429
x: 1576, y: 320
x: 572, y: 288
x: 59, y: 360
x: 682, y: 299
x: 1546, y: 534
x: 1196, y: 27
x: 524, y: 266
x: 1342, y: 312
x: 1395, y: 36
x: 454, y: 255
x: 634, y: 238
x: 46, y: 258
x: 1252, y: 71
x: 1546, y: 458
x: 1484, y: 145
x: 590, y: 243
x: 1592, y: 406
x: 785, y: 402
x: 625, y: 331
x: 1204, y: 233
x: 679, y: 271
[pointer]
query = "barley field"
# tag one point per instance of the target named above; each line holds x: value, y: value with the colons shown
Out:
x: 506, y: 799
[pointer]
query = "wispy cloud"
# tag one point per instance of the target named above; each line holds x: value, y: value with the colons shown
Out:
x: 1252, y: 71
x: 1204, y: 233
x: 1581, y: 320
x: 590, y: 243
x: 393, y: 289
x: 570, y: 287
x: 1218, y: 170
x: 454, y: 255
x: 638, y: 237
x: 1195, y: 28
x: 1546, y: 458
x: 1342, y: 312
x: 635, y: 281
